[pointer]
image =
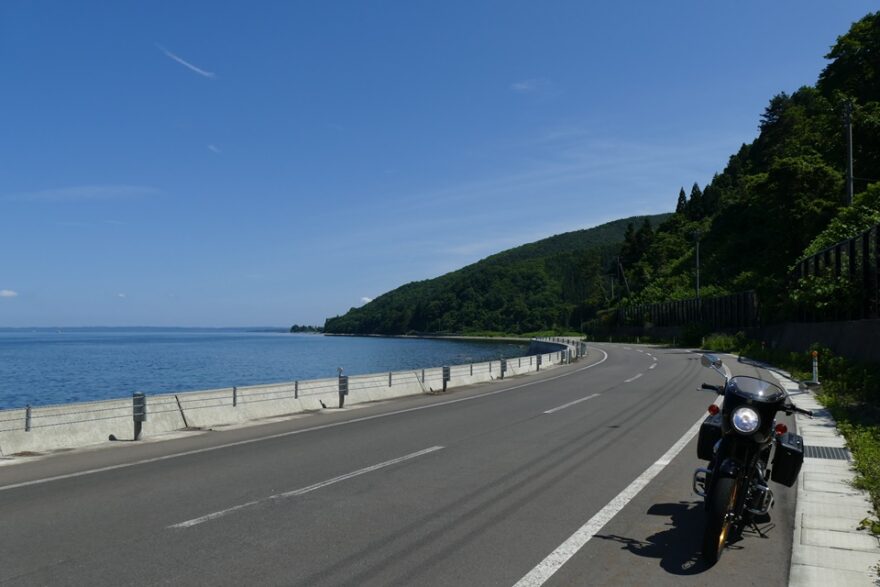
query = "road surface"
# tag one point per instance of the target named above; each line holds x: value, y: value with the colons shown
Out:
x: 570, y: 477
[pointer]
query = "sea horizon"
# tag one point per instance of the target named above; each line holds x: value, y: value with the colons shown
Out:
x: 50, y: 365
x: 144, y: 327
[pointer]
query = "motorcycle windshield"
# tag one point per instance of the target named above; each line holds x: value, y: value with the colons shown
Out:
x: 755, y: 389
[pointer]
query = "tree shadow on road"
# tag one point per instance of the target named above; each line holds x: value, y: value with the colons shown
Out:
x: 677, y: 547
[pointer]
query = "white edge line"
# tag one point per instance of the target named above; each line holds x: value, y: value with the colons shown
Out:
x: 304, y: 490
x: 293, y: 432
x: 569, y: 404
x: 554, y: 561
x: 631, y: 379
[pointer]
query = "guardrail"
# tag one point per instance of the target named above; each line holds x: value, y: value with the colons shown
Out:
x: 43, y: 428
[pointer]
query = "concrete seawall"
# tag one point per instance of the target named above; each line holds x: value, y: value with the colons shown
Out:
x: 49, y: 428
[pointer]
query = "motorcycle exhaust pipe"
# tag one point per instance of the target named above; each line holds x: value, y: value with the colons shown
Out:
x: 763, y: 501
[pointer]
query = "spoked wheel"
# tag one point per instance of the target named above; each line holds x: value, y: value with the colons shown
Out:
x: 719, y: 519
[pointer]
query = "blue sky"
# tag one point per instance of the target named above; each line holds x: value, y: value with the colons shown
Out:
x: 238, y: 163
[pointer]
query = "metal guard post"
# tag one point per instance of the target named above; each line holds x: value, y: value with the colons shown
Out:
x: 343, y: 389
x: 138, y: 412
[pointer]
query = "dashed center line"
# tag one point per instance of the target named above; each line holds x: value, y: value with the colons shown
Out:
x: 631, y: 379
x: 652, y: 365
x: 569, y: 404
x: 304, y: 490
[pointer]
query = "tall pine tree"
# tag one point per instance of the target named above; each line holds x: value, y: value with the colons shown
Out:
x: 681, y: 207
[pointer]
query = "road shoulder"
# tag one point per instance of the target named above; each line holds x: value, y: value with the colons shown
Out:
x: 828, y: 549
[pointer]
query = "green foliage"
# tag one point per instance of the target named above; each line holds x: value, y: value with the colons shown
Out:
x: 851, y: 392
x: 681, y: 206
x: 825, y: 292
x: 692, y: 335
x: 724, y: 343
x: 303, y: 328
x: 551, y: 285
x: 779, y: 198
x: 849, y: 222
x: 855, y: 66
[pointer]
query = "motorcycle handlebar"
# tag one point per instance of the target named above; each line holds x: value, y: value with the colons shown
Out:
x: 794, y: 408
x: 714, y: 388
x: 804, y: 412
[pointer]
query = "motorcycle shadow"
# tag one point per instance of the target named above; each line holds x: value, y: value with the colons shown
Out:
x: 678, y: 547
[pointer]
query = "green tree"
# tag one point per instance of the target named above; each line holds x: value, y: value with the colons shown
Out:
x: 695, y: 203
x: 855, y: 62
x: 681, y: 206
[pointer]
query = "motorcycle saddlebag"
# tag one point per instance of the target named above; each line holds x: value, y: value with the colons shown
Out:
x: 710, y: 433
x: 788, y: 459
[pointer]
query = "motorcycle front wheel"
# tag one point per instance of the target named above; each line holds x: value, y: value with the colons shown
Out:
x: 719, y: 518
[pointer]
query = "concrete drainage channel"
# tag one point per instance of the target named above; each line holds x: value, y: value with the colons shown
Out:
x: 34, y: 431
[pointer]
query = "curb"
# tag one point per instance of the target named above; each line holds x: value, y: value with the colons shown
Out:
x: 827, y: 547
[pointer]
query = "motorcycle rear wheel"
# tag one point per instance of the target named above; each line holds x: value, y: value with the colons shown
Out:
x: 719, y: 518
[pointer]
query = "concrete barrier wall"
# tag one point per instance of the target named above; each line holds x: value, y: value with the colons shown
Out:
x: 80, y: 424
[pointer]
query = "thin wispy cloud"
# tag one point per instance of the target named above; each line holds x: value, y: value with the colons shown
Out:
x: 8, y: 293
x: 594, y: 178
x: 214, y: 149
x: 121, y: 296
x: 576, y: 163
x: 366, y: 300
x: 532, y: 86
x: 84, y: 193
x: 187, y: 64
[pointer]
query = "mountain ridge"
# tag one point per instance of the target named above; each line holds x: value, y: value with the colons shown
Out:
x: 552, y: 283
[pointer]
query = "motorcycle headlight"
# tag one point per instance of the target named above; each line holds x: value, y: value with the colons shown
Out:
x: 745, y: 420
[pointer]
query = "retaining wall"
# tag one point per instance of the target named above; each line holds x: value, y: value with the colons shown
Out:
x: 48, y: 428
x: 854, y: 339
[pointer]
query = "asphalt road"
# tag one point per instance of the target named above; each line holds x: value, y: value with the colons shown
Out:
x: 476, y: 487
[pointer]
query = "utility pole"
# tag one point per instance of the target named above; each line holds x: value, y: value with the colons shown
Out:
x: 847, y: 119
x: 697, y: 235
x: 623, y: 275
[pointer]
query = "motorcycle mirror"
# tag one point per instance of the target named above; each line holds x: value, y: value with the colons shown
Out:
x: 711, y: 361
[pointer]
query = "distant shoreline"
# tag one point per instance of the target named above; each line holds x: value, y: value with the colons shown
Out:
x: 437, y: 337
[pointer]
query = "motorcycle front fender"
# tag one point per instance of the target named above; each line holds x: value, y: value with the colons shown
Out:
x: 729, y: 468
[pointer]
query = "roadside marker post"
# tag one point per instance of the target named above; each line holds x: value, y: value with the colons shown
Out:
x: 815, y: 366
x: 138, y: 412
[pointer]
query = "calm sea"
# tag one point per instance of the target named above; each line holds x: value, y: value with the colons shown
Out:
x: 41, y: 367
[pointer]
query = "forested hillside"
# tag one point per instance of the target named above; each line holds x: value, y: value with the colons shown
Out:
x: 779, y: 198
x: 782, y: 196
x: 558, y: 282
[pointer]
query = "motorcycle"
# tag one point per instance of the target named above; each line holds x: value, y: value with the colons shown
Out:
x: 746, y: 448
